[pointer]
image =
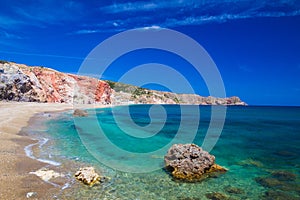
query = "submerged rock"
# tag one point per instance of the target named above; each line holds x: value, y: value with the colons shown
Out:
x: 233, y: 190
x: 216, y: 196
x: 268, y: 182
x: 80, y: 113
x: 88, y: 176
x: 251, y: 162
x: 280, y: 181
x: 286, y: 154
x: 278, y: 195
x: 284, y: 176
x: 189, y: 162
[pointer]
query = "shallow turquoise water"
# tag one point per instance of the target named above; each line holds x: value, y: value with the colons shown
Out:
x: 259, y: 145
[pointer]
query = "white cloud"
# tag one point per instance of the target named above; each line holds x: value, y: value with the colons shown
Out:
x: 198, y: 20
x: 134, y: 7
x: 86, y: 31
x: 230, y: 6
x: 90, y: 31
x: 152, y: 27
x: 174, y: 13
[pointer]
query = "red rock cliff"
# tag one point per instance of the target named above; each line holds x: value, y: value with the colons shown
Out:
x: 47, y: 85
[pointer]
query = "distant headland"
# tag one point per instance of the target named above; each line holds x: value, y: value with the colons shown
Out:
x: 19, y: 82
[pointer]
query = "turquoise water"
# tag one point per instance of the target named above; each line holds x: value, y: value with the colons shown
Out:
x: 259, y: 145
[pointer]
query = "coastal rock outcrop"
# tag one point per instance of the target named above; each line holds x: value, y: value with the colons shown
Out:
x: 88, y: 176
x: 39, y: 84
x: 189, y: 162
x: 16, y: 86
x: 20, y: 82
x: 129, y: 94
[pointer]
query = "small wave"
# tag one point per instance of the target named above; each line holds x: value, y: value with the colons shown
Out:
x: 40, y: 143
x: 51, y: 162
x: 67, y: 185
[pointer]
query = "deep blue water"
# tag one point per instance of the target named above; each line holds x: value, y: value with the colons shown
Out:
x: 259, y: 145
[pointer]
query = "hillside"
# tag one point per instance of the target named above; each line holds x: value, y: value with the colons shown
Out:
x: 129, y: 94
x: 20, y: 82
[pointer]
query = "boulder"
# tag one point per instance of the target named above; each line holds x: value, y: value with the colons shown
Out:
x: 189, y: 162
x: 80, y: 113
x: 88, y: 176
x: 47, y: 174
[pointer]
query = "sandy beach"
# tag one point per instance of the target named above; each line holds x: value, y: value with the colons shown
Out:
x: 15, y: 180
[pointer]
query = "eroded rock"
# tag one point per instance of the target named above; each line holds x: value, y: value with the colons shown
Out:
x: 88, y: 176
x: 189, y: 162
x: 80, y: 113
x: 39, y: 84
x: 46, y: 174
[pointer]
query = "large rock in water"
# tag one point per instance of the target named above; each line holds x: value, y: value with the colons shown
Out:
x: 80, y: 113
x: 88, y: 176
x: 189, y: 162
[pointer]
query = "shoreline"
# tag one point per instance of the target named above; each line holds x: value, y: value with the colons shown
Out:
x: 16, y: 164
x: 16, y: 180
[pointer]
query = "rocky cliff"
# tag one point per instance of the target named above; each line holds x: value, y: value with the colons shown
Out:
x: 23, y: 83
x: 19, y: 82
x: 129, y: 94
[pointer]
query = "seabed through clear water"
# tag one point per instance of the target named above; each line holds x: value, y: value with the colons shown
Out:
x: 259, y: 145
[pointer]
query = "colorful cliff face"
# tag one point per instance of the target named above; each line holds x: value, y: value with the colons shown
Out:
x: 22, y: 83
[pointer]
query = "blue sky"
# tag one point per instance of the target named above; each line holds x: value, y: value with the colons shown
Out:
x: 255, y: 44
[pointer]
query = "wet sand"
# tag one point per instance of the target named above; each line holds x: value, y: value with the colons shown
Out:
x: 15, y: 180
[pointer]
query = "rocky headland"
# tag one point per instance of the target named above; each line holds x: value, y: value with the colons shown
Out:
x: 24, y: 83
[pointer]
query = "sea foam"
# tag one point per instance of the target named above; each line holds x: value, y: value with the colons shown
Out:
x: 29, y: 152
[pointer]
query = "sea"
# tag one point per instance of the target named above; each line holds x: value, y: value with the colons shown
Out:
x: 259, y: 145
